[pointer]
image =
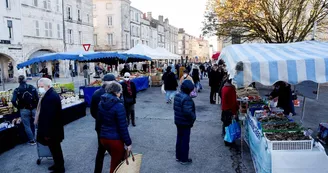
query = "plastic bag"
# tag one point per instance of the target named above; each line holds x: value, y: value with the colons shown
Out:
x: 163, y: 89
x: 193, y: 93
x: 233, y: 132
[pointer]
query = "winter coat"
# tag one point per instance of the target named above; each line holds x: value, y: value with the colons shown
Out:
x: 184, y: 106
x: 195, y: 75
x: 215, y: 78
x: 129, y: 99
x: 111, y: 114
x: 170, y: 82
x: 50, y: 122
x: 284, y: 98
x: 95, y: 100
x: 229, y: 99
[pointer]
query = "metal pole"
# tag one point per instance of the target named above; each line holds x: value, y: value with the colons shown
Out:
x: 303, y: 109
x: 2, y: 78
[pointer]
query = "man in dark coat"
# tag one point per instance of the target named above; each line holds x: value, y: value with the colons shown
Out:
x: 170, y: 84
x: 50, y: 123
x: 96, y: 97
x: 215, y: 79
x: 129, y: 96
x: 184, y: 118
x: 202, y: 71
x: 283, y: 91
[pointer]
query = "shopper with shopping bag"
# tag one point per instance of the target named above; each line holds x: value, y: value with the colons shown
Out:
x: 114, y: 132
x: 229, y: 107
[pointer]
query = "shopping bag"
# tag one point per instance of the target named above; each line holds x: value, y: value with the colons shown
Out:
x: 163, y: 89
x: 131, y: 164
x: 193, y: 93
x: 233, y: 132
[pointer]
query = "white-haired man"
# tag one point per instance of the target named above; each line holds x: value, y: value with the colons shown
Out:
x: 50, y: 123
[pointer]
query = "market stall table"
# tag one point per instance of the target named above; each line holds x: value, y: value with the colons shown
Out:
x: 73, y: 111
x: 141, y: 83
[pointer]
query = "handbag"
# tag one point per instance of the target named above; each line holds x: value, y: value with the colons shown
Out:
x: 163, y: 89
x: 131, y: 164
x: 193, y: 93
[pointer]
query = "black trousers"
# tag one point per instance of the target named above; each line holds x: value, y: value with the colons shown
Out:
x: 213, y: 92
x: 100, y: 156
x: 57, y: 154
x: 130, y: 114
x: 182, y: 144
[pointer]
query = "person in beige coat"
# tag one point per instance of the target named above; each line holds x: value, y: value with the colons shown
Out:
x: 186, y: 76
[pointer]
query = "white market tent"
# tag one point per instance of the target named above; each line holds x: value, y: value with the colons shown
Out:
x: 142, y: 49
x: 167, y: 54
x: 269, y: 63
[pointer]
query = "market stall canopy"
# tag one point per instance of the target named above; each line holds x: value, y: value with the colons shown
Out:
x: 136, y: 57
x: 167, y: 53
x: 142, y: 49
x: 269, y: 63
x: 110, y: 58
x: 75, y: 56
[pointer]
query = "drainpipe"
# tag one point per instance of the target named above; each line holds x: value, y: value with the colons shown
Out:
x: 64, y: 33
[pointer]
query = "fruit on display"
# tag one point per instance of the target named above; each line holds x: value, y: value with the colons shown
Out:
x: 96, y: 83
x: 281, y: 126
x: 287, y: 136
x: 273, y: 119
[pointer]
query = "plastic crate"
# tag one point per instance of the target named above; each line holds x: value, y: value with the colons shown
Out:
x: 289, y: 145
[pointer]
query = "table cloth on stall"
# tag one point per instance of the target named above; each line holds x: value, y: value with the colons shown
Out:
x: 74, y: 111
x: 8, y: 139
x: 269, y: 63
x: 141, y: 83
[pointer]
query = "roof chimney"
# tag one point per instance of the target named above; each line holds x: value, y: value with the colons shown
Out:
x: 160, y: 19
x: 144, y: 16
x: 149, y: 16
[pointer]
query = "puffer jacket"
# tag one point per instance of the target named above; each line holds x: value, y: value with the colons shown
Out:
x: 184, y: 106
x: 111, y: 114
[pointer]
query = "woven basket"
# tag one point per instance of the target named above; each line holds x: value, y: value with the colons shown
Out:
x: 131, y: 165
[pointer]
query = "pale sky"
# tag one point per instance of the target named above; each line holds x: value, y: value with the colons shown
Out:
x: 187, y: 14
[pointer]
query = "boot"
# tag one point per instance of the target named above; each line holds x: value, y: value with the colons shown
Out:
x: 133, y: 119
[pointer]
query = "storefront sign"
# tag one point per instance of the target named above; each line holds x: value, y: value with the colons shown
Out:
x: 4, y: 41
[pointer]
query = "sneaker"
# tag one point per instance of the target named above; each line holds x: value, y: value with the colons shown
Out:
x: 32, y: 142
x: 189, y: 161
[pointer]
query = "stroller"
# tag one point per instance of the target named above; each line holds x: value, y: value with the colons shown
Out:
x: 43, y: 152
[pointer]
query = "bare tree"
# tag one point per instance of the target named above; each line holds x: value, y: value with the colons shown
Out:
x: 274, y: 21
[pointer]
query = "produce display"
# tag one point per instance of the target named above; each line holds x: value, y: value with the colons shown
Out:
x: 246, y: 92
x: 68, y: 97
x: 287, y: 136
x: 272, y: 119
x: 96, y: 83
x: 290, y: 126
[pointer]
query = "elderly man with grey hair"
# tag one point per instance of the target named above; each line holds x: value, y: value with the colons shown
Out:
x: 50, y: 123
x: 94, y: 112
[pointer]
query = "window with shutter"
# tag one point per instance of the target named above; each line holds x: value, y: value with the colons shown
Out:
x: 45, y: 4
x: 37, y: 28
x: 46, y: 29
x: 50, y: 29
x: 58, y: 31
x: 49, y: 4
x: 35, y: 3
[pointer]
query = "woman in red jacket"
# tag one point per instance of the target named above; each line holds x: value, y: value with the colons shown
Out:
x: 229, y: 106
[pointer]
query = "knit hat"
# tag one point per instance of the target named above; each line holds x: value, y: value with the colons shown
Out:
x: 109, y: 77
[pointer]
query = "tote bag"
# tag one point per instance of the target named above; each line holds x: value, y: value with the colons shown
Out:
x: 131, y: 164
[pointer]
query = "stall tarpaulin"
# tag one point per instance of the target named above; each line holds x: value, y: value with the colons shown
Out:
x: 142, y: 49
x: 269, y: 63
x: 167, y: 54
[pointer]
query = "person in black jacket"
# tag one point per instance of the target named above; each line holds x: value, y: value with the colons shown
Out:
x: 195, y: 77
x: 129, y: 96
x: 283, y: 91
x: 170, y: 84
x: 184, y: 118
x: 26, y: 99
x: 50, y: 123
x: 94, y: 112
x: 215, y: 79
x: 114, y: 128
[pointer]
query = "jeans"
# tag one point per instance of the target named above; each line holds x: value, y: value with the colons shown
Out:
x: 182, y: 144
x: 116, y: 150
x: 26, y: 116
x: 100, y: 156
x: 169, y: 94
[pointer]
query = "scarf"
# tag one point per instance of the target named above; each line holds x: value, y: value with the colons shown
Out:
x: 37, y: 112
x: 128, y: 83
